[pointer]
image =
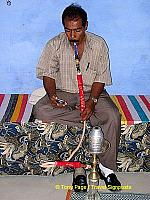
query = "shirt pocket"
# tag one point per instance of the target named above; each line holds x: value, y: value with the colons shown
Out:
x: 89, y: 77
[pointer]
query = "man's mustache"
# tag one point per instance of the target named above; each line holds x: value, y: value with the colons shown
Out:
x: 73, y: 40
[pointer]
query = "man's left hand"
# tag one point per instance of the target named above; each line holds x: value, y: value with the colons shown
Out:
x: 89, y: 109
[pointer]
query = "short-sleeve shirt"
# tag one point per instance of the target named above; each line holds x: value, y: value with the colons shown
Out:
x: 57, y: 61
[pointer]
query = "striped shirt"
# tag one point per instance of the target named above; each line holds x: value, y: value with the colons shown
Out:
x: 57, y: 61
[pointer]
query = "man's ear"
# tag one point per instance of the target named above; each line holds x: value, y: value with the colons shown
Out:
x: 86, y: 25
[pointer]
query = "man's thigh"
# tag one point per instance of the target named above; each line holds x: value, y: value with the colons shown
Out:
x: 67, y: 115
x: 105, y: 110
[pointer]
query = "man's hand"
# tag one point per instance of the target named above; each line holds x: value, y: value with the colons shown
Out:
x: 57, y: 103
x: 89, y: 109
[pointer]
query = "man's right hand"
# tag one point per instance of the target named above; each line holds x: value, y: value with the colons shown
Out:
x: 56, y: 103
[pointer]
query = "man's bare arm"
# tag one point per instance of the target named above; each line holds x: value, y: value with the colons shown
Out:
x: 96, y: 89
x: 50, y: 86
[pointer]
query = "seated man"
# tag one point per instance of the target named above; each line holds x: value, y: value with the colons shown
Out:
x: 57, y: 69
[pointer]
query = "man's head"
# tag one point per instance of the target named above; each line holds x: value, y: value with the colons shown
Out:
x: 74, y: 19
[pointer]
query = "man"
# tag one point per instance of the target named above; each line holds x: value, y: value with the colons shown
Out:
x: 57, y: 69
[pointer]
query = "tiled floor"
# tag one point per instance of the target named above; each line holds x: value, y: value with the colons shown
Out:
x: 46, y: 188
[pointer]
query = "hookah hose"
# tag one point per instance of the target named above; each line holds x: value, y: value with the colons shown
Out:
x: 67, y: 162
x: 81, y: 94
x: 79, y: 79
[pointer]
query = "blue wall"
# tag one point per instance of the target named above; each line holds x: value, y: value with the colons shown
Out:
x: 26, y: 25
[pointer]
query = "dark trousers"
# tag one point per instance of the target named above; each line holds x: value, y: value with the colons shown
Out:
x: 106, y: 115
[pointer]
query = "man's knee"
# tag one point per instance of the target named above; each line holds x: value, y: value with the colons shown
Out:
x: 116, y: 115
x: 37, y: 111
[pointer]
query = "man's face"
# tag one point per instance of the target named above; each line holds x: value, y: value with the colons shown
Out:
x: 74, y: 30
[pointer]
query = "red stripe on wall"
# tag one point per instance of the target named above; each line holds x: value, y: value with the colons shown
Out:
x: 1, y: 98
x: 125, y: 109
x: 23, y: 106
x: 145, y: 101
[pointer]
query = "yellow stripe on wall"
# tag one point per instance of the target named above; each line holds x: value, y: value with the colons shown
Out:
x: 123, y: 118
x: 17, y: 109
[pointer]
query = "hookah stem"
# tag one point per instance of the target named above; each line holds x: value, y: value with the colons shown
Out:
x: 94, y: 161
x: 79, y: 79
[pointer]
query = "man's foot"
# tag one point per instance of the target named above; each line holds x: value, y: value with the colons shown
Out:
x: 111, y: 181
x: 80, y: 180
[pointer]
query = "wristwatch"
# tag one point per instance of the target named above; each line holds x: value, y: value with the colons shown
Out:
x: 94, y: 100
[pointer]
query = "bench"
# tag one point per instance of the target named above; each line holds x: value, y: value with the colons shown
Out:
x: 24, y: 143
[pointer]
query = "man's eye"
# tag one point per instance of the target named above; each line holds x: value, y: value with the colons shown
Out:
x: 78, y: 30
x: 66, y: 30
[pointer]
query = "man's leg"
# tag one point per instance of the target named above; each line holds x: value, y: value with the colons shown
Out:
x: 67, y: 115
x: 108, y: 117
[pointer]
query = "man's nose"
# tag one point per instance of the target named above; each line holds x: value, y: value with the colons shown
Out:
x: 73, y: 34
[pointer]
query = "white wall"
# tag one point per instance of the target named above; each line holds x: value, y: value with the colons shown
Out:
x: 26, y: 25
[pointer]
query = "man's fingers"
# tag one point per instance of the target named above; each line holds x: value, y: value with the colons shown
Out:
x: 86, y: 115
x: 77, y: 107
x: 60, y: 105
x: 56, y: 104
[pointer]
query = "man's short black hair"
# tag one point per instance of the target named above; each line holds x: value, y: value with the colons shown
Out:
x: 74, y: 11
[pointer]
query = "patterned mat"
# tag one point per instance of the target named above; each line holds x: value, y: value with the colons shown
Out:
x: 24, y: 146
x: 109, y: 196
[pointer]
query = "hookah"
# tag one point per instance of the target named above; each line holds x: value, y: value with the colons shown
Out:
x: 97, y: 143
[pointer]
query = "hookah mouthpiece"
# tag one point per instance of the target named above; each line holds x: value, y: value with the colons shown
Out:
x: 76, y: 55
x: 75, y: 51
